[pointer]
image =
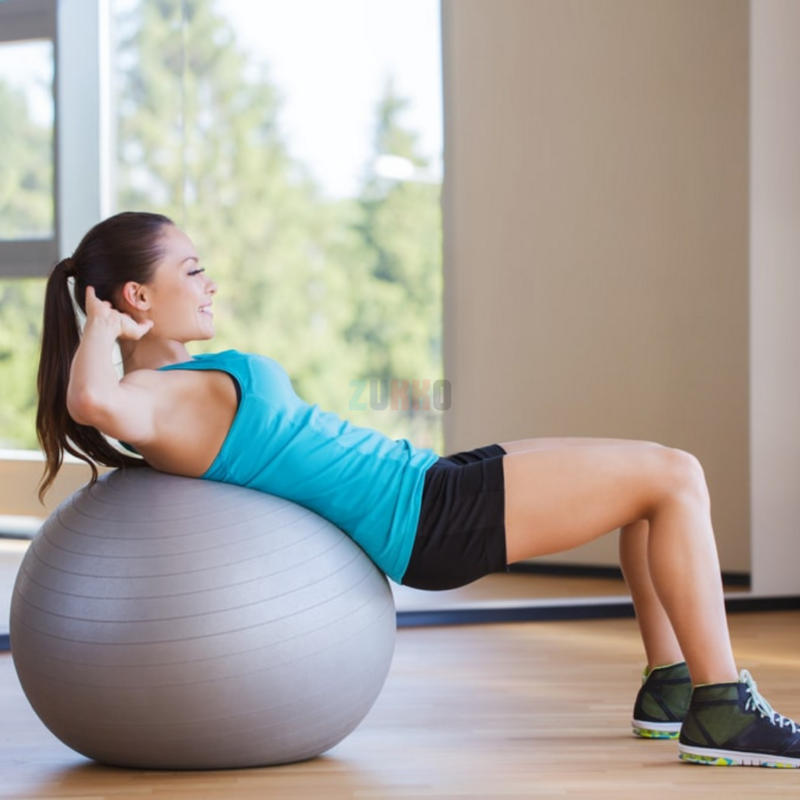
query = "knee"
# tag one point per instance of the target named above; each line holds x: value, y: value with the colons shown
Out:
x: 683, y: 476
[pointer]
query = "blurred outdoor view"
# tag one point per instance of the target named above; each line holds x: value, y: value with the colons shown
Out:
x: 299, y: 145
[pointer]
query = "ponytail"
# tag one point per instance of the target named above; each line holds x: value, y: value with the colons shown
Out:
x: 134, y: 251
x: 60, y: 338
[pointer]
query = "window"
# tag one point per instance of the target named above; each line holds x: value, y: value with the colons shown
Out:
x: 299, y: 144
x: 27, y: 129
x: 28, y: 230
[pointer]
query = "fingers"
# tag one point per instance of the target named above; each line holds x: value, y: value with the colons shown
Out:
x: 91, y: 294
x: 129, y: 328
x: 142, y: 328
x: 91, y: 297
x: 92, y: 301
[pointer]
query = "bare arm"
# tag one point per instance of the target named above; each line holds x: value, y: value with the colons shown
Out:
x: 96, y: 396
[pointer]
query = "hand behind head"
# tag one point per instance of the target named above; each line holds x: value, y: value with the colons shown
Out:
x: 125, y: 326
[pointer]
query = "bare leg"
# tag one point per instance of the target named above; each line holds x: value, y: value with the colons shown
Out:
x: 564, y: 493
x: 660, y: 643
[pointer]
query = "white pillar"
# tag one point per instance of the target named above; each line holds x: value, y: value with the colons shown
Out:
x: 775, y: 296
x: 83, y: 118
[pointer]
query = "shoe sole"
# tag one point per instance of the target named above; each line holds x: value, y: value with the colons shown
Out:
x: 731, y: 758
x: 656, y: 730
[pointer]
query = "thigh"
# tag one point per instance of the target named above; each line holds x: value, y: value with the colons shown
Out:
x: 564, y: 493
x: 562, y: 442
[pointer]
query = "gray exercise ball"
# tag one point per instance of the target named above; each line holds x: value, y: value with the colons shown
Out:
x: 173, y: 623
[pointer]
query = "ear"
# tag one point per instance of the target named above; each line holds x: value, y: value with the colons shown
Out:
x: 134, y: 297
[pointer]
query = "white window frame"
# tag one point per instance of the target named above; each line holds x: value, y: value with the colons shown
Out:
x: 26, y: 20
x: 79, y: 30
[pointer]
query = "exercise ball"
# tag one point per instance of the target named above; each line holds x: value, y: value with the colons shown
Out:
x: 174, y: 623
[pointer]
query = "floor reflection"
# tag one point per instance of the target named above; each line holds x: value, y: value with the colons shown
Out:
x: 511, y: 588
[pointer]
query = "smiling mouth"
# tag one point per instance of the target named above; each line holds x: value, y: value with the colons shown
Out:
x: 206, y: 310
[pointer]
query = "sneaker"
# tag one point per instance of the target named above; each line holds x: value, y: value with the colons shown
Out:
x: 662, y: 702
x: 731, y: 724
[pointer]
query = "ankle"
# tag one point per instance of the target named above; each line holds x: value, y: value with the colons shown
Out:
x: 714, y: 678
x: 663, y: 665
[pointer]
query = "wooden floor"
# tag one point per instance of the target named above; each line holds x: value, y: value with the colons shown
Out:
x: 535, y: 710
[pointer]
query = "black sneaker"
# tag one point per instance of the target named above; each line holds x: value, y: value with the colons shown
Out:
x: 730, y: 724
x: 662, y: 702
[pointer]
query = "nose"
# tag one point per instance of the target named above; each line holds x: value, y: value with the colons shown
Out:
x: 211, y: 286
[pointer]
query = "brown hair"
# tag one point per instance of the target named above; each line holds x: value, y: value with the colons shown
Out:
x: 122, y: 248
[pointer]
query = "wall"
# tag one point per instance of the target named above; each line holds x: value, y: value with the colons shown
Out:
x: 596, y: 231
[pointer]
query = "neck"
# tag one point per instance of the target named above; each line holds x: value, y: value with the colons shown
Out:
x: 151, y: 353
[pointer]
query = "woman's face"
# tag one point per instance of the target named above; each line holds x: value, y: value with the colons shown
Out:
x: 178, y: 298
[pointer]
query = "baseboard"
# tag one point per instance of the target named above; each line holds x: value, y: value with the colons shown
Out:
x: 544, y: 612
x: 575, y: 610
x: 740, y: 579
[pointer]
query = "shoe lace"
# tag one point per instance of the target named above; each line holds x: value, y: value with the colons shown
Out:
x: 756, y: 702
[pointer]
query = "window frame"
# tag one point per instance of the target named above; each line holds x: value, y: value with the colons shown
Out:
x: 20, y: 21
x: 79, y: 31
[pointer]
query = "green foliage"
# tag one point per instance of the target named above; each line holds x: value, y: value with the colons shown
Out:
x: 26, y: 169
x: 335, y: 290
x: 21, y: 304
x: 397, y: 321
x: 203, y: 134
x: 26, y: 209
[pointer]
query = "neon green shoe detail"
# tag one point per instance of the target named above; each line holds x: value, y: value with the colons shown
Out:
x: 731, y: 724
x: 662, y: 702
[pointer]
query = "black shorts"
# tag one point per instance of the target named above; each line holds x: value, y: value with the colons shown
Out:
x: 461, y: 534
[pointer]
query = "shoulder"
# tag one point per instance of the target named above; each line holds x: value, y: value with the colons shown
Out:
x: 168, y: 386
x: 139, y: 374
x: 185, y: 407
x: 144, y: 378
x: 225, y: 360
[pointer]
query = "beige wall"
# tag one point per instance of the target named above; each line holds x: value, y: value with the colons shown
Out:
x: 596, y: 230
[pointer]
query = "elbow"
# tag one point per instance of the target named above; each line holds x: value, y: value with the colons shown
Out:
x: 85, y: 407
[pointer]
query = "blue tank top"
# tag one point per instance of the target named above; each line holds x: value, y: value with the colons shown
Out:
x: 365, y: 483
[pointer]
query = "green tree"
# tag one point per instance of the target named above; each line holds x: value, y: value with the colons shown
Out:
x: 26, y: 168
x: 335, y: 290
x: 397, y: 320
x: 200, y: 139
x: 21, y: 304
x: 26, y: 209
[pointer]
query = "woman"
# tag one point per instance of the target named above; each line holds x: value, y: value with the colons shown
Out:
x: 427, y: 522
